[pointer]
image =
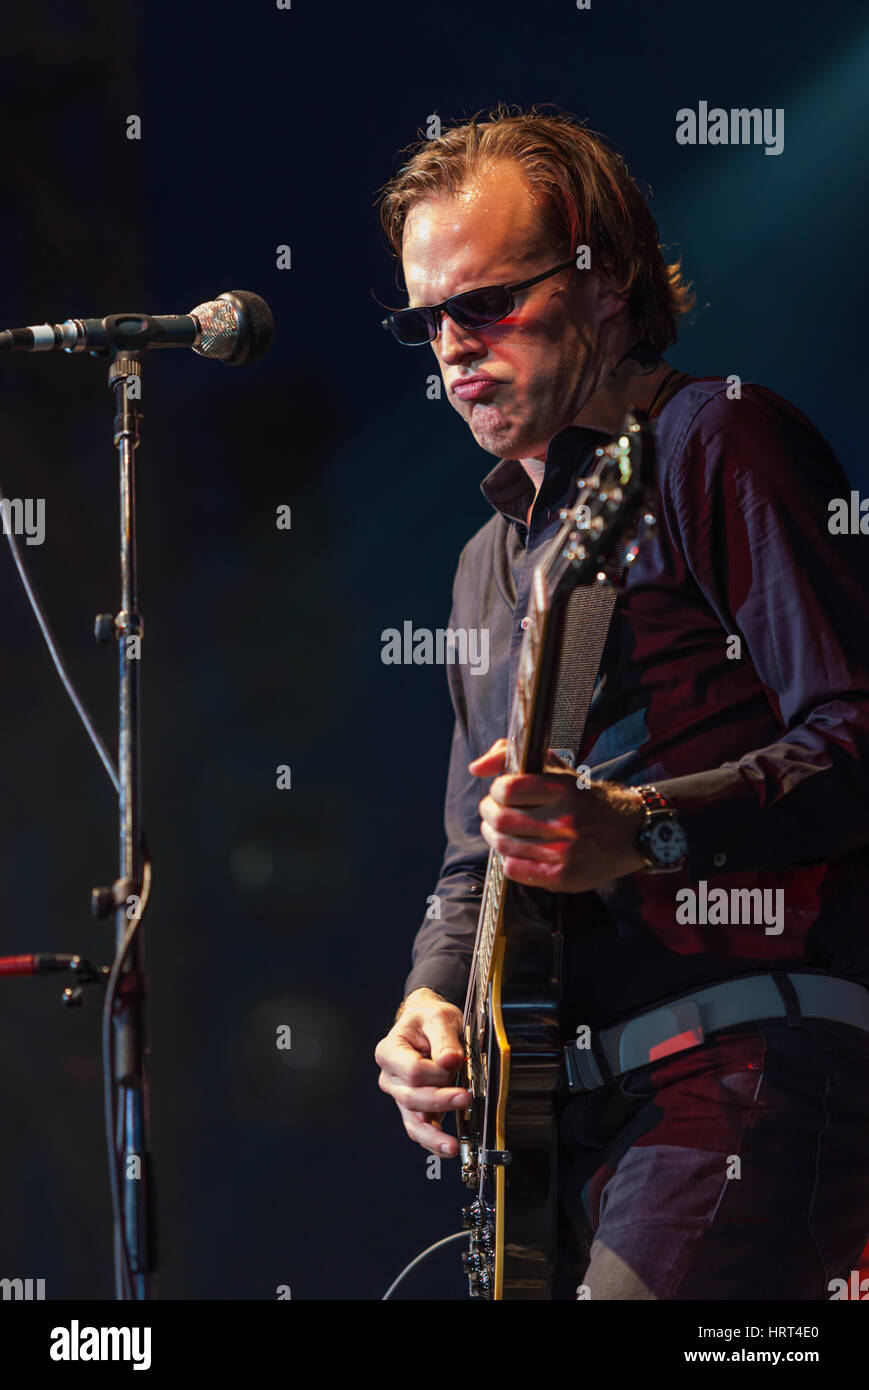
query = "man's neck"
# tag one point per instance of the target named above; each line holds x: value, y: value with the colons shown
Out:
x: 628, y: 385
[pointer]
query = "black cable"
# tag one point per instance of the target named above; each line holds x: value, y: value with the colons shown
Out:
x: 51, y: 642
x: 460, y: 1235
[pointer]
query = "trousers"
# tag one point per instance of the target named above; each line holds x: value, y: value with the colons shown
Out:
x: 738, y: 1170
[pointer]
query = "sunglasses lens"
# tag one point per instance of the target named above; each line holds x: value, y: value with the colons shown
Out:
x: 475, y: 309
x: 413, y: 326
x: 480, y: 307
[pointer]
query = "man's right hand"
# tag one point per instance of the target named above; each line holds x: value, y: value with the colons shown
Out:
x: 418, y: 1060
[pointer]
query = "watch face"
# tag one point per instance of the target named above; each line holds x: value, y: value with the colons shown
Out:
x: 667, y: 842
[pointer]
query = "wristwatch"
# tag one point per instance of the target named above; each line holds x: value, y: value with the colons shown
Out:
x: 661, y: 840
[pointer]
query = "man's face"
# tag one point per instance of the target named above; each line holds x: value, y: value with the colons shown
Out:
x: 542, y: 359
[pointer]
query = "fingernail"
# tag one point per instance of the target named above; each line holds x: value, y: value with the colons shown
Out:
x: 445, y: 1149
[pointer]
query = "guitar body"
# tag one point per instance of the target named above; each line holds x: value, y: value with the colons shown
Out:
x: 508, y: 1136
x: 529, y: 1017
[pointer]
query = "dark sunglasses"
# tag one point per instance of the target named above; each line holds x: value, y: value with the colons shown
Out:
x: 472, y: 309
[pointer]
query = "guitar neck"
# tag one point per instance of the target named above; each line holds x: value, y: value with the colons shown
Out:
x: 585, y: 551
x: 526, y: 752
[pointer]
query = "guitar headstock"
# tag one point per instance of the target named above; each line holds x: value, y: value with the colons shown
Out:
x: 600, y: 537
x: 602, y: 531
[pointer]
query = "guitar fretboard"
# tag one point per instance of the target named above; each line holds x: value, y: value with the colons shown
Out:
x: 605, y: 501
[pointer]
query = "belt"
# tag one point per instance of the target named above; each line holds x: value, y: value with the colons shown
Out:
x: 687, y: 1021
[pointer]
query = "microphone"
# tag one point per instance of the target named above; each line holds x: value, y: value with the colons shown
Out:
x: 236, y: 327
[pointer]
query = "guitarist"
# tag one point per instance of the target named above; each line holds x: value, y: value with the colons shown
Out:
x: 727, y: 741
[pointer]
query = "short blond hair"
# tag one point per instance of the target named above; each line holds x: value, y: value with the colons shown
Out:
x: 587, y: 197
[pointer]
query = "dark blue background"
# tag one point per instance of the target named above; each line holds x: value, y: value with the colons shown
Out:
x: 261, y: 128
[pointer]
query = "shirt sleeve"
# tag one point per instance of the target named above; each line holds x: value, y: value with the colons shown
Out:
x: 748, y: 502
x: 444, y: 944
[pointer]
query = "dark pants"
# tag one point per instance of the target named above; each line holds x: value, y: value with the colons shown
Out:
x: 739, y: 1170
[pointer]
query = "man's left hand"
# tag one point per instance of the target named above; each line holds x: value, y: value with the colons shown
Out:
x: 554, y: 834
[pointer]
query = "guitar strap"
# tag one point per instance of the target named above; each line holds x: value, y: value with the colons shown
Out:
x: 586, y: 622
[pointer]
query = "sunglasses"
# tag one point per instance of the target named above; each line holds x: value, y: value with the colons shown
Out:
x: 472, y: 309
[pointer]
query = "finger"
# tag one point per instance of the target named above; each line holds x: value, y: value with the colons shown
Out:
x: 527, y: 824
x: 530, y: 851
x: 427, y: 1131
x: 535, y: 875
x: 491, y: 761
x: 438, y: 1037
x: 530, y: 789
x: 444, y: 1040
x: 433, y: 1100
x: 403, y: 1060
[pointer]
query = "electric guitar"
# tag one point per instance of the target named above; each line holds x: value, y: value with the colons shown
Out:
x: 508, y: 1135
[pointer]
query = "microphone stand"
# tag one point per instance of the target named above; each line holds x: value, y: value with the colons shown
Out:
x: 237, y: 327
x: 134, y: 1234
x: 125, y: 1043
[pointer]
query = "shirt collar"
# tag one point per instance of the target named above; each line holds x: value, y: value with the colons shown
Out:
x: 509, y: 489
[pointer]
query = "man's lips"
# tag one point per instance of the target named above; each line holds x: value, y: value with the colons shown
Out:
x: 474, y: 388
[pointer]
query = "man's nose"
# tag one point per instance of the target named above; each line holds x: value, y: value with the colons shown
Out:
x: 454, y: 343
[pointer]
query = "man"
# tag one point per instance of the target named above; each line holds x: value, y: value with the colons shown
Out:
x: 735, y: 695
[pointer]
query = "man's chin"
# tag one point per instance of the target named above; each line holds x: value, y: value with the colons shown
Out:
x: 504, y: 444
x: 497, y: 436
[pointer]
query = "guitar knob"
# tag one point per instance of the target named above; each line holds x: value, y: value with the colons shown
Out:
x: 472, y: 1216
x: 479, y: 1284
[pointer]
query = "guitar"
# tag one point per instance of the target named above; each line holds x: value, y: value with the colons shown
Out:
x: 513, y: 1045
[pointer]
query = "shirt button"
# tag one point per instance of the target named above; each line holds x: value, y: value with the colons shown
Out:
x: 719, y: 859
x: 525, y: 623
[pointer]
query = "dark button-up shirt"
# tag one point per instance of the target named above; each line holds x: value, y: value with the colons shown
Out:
x: 760, y: 743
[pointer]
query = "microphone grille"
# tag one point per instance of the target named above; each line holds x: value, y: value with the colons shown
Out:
x: 256, y: 325
x: 218, y: 324
x: 236, y: 327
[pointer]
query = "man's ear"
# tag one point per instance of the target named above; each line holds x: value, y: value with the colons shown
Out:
x: 602, y: 300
